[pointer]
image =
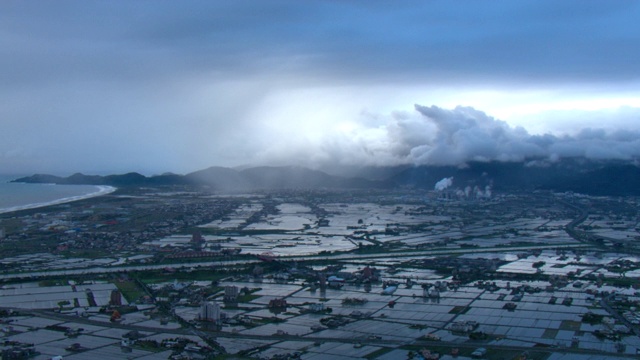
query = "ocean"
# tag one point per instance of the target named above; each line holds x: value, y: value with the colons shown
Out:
x: 19, y: 196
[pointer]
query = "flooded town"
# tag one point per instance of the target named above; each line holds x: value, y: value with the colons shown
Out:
x: 319, y: 180
x: 157, y: 273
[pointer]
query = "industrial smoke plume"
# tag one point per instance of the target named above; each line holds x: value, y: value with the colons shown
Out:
x: 444, y: 184
x: 468, y: 192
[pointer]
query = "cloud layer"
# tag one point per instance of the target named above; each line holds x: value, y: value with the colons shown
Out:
x: 159, y: 85
x: 466, y: 134
x: 436, y: 136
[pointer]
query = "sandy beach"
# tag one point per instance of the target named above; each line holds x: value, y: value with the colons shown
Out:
x: 100, y: 190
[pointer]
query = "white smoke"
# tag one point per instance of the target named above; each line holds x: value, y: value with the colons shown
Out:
x: 444, y: 184
x: 487, y: 191
x: 479, y: 193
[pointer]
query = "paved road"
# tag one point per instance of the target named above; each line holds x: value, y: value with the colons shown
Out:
x: 118, y: 269
x: 223, y: 263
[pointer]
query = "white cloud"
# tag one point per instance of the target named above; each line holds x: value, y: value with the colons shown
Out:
x: 432, y: 135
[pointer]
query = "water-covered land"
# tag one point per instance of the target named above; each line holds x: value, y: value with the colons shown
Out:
x: 323, y: 274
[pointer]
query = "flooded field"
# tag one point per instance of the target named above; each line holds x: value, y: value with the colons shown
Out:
x: 309, y: 277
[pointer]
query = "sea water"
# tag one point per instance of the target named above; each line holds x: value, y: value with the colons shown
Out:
x: 20, y: 196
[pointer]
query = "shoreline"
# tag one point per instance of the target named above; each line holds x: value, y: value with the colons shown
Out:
x: 101, y: 190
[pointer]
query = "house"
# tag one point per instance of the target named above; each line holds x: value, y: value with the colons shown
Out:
x: 277, y: 304
x: 479, y: 352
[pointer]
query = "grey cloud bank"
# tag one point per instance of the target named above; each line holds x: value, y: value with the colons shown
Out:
x: 156, y: 86
x: 437, y: 136
x: 466, y: 134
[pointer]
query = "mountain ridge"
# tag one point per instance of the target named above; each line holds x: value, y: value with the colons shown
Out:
x: 219, y: 179
x: 579, y: 175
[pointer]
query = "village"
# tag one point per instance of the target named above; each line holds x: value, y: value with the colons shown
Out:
x: 332, y: 275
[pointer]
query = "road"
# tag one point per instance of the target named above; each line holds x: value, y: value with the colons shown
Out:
x: 223, y: 263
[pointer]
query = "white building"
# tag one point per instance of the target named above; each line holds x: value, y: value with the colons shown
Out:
x: 210, y: 311
x: 316, y: 307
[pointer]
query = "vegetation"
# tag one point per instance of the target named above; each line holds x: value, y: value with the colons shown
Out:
x: 459, y: 309
x: 570, y: 325
x: 167, y: 275
x: 591, y: 318
x: 538, y: 264
x: 247, y: 298
x: 376, y: 354
x: 130, y: 290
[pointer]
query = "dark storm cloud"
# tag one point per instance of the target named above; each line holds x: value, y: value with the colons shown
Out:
x: 497, y: 41
x: 173, y: 85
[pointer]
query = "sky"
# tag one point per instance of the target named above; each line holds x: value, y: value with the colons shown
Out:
x: 177, y: 86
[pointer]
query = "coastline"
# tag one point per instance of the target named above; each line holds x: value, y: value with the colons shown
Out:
x: 101, y: 190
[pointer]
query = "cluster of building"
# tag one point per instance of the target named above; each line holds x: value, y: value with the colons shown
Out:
x: 505, y: 271
x: 14, y: 350
x: 110, y: 228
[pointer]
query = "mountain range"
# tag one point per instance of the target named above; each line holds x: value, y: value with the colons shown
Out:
x: 618, y: 178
